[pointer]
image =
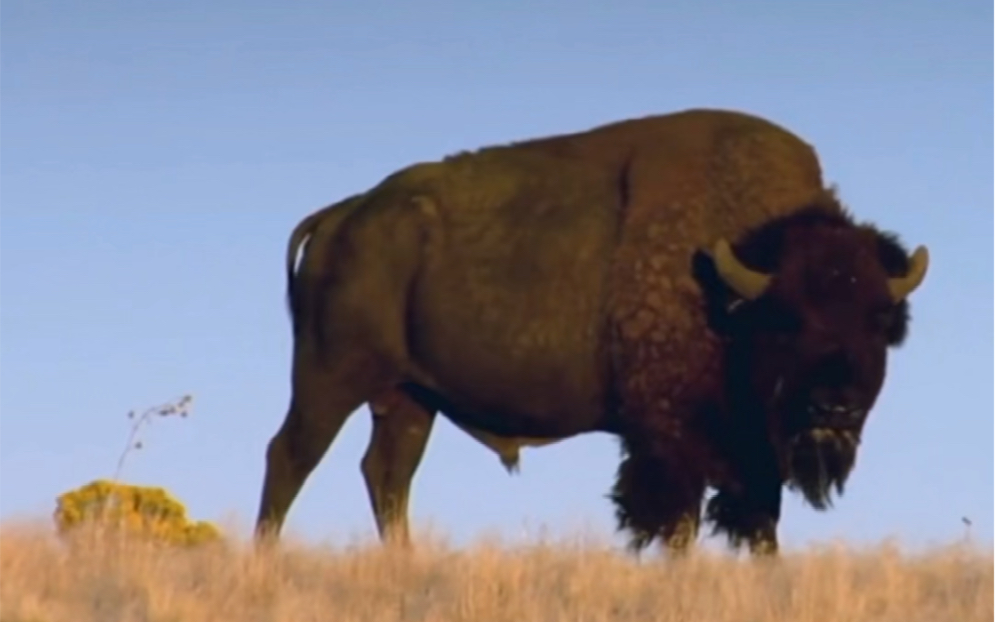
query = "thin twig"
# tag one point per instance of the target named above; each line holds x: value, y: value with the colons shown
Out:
x: 179, y: 407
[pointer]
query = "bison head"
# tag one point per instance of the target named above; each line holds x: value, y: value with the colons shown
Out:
x: 809, y: 305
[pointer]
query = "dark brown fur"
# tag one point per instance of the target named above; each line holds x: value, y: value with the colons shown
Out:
x: 759, y: 443
x: 554, y: 287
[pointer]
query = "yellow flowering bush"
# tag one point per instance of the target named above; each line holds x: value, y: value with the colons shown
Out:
x: 140, y: 510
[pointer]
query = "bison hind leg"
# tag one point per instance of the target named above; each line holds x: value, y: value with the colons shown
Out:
x: 401, y: 428
x: 657, y: 495
x: 323, y: 397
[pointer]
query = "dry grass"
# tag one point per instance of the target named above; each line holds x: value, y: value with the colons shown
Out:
x: 100, y: 578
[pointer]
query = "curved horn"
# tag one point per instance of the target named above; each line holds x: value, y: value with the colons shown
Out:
x: 747, y: 283
x: 901, y: 287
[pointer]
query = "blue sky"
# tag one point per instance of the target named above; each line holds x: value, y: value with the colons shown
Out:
x: 155, y: 157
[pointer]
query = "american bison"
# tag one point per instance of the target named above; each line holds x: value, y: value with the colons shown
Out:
x: 685, y: 282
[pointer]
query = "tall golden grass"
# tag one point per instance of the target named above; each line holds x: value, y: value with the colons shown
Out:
x: 97, y: 576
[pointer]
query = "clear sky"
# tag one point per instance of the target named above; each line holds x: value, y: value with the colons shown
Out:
x: 155, y: 157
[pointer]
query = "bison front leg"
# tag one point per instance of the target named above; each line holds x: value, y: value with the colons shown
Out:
x: 745, y: 520
x: 658, y: 494
x: 401, y: 428
x: 680, y: 537
x: 749, y: 514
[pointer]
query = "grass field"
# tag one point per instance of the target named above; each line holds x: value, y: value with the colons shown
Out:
x: 101, y: 578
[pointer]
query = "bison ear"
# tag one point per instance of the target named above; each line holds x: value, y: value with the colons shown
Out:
x: 891, y: 253
x: 895, y: 260
x: 720, y: 299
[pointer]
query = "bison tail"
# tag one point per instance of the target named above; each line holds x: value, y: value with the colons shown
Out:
x: 298, y: 237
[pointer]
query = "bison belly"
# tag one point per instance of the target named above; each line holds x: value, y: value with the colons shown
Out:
x: 507, y: 312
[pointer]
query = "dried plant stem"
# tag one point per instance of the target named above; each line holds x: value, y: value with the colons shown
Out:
x: 180, y: 407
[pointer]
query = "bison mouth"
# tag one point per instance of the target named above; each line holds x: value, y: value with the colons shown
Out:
x: 819, y: 461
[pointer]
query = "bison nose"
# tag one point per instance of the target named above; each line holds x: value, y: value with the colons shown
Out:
x: 836, y: 414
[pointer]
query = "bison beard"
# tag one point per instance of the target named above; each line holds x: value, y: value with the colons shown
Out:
x: 820, y: 461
